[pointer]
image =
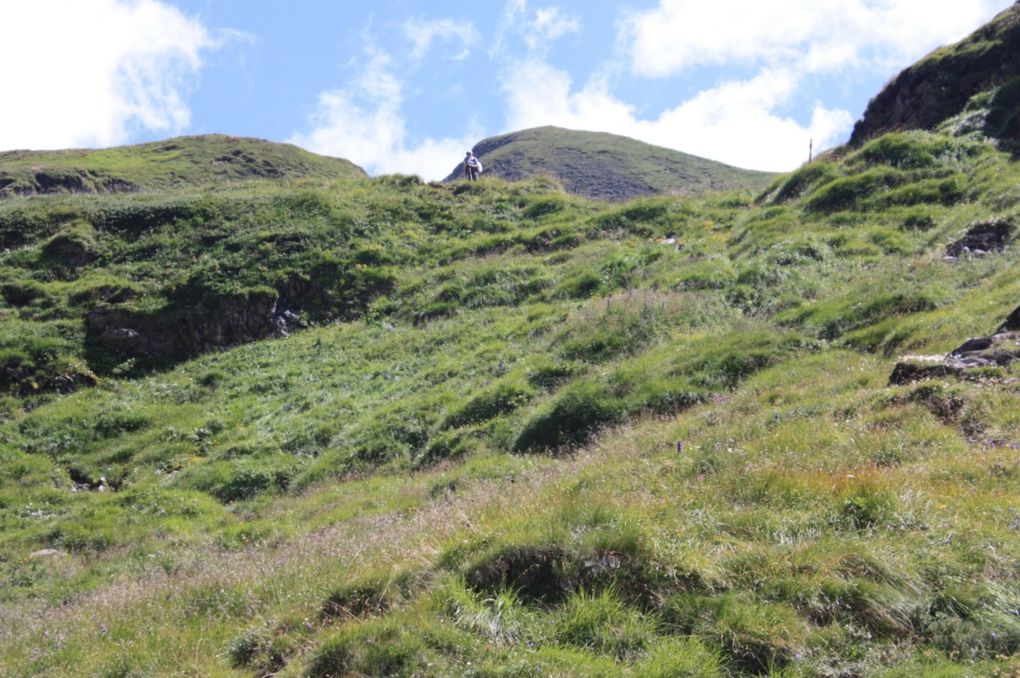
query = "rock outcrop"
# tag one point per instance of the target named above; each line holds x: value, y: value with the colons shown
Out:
x: 941, y: 85
x: 998, y: 350
x: 179, y: 331
x: 982, y: 237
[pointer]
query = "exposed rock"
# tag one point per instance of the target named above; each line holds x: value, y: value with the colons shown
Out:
x: 180, y: 332
x: 939, y: 86
x: 45, y: 553
x: 122, y: 339
x: 996, y: 351
x: 982, y: 237
x: 908, y: 372
x: 1012, y: 322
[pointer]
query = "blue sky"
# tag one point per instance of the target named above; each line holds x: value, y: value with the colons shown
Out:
x: 402, y: 86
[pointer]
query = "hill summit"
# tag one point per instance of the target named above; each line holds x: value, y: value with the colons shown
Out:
x: 606, y: 166
x: 163, y: 165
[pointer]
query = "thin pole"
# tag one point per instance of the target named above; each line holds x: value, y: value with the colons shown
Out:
x: 811, y: 150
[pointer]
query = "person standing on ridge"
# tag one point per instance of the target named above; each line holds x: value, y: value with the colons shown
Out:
x: 472, y: 166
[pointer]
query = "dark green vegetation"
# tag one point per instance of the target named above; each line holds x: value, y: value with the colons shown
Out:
x: 456, y: 452
x: 606, y: 166
x: 970, y: 87
x: 163, y: 165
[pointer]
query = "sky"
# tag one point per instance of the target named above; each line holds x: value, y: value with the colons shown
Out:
x: 407, y: 86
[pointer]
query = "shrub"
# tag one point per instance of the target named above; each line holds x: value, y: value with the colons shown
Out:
x: 644, y: 217
x: 548, y: 375
x: 551, y: 573
x: 621, y: 329
x: 917, y: 219
x: 927, y: 192
x: 834, y: 317
x: 1003, y: 120
x: 715, y: 273
x: 580, y: 285
x: 237, y: 480
x: 544, y: 206
x: 258, y: 651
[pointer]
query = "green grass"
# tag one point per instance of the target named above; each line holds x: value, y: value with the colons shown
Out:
x: 512, y: 433
x: 606, y: 166
x: 183, y: 162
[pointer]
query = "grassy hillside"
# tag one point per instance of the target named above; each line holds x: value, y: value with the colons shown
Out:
x: 509, y: 431
x: 606, y: 166
x: 970, y: 87
x: 174, y: 163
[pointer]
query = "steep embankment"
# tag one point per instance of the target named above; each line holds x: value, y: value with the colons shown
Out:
x: 164, y: 165
x: 606, y: 166
x: 973, y: 85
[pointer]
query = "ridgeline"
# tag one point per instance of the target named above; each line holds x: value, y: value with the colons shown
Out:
x: 173, y: 164
x: 606, y: 166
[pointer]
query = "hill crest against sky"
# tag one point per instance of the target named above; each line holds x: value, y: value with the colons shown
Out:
x: 605, y: 166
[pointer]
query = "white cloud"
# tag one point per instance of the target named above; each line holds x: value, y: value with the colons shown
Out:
x: 548, y: 25
x: 89, y: 72
x: 423, y: 33
x: 741, y: 122
x: 364, y: 122
x: 538, y: 28
x: 815, y: 35
x: 734, y: 123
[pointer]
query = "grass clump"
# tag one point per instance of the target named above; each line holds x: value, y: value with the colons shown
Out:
x: 601, y: 623
x: 372, y: 649
x: 758, y: 637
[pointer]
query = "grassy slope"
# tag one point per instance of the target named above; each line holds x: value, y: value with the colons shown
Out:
x: 607, y: 166
x: 163, y: 165
x: 347, y: 498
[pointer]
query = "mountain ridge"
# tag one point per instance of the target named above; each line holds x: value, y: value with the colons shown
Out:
x: 606, y: 166
x: 169, y: 164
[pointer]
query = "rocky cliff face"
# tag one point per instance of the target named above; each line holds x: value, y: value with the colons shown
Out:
x: 977, y: 73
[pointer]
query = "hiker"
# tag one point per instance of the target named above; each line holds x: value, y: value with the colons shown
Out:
x: 472, y: 166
